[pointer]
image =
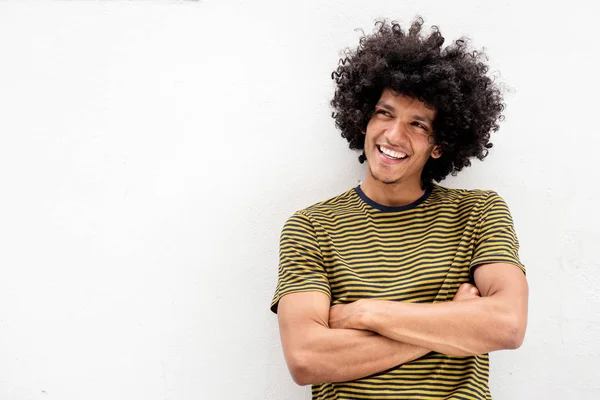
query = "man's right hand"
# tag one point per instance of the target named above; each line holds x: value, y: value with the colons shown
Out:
x: 316, y: 354
x: 466, y: 291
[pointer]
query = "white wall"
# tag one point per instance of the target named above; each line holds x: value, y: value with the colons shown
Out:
x: 151, y: 151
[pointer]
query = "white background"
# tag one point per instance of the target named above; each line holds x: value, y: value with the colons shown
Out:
x: 151, y: 151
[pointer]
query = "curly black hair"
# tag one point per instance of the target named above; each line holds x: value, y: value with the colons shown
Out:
x: 453, y: 80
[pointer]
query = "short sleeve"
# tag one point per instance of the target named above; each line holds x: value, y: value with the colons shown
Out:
x: 495, y: 240
x: 301, y: 266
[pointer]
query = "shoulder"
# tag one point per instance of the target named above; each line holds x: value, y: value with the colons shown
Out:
x: 337, y: 205
x: 441, y: 194
x: 326, y: 212
x: 473, y: 201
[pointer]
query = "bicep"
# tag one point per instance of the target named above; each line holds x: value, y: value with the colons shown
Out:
x: 505, y: 281
x: 300, y: 313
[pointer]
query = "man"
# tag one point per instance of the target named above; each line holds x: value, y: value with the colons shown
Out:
x: 399, y: 288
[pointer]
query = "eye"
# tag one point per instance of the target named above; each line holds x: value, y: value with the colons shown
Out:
x: 420, y: 125
x: 383, y: 112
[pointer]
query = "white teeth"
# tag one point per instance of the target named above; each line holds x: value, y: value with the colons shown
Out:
x: 391, y: 153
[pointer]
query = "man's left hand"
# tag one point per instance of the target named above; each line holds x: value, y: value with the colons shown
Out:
x: 347, y: 316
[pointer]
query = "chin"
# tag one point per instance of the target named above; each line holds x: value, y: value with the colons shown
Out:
x: 386, y: 180
x: 389, y: 181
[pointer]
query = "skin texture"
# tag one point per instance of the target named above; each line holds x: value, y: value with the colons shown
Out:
x: 347, y: 342
x: 402, y: 124
x: 317, y: 353
x: 494, y: 321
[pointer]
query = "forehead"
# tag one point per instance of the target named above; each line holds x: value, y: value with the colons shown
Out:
x: 401, y: 102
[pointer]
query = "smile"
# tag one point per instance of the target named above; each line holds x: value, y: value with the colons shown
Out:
x: 391, y: 154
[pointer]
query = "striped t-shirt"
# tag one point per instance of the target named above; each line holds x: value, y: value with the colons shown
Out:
x: 350, y: 248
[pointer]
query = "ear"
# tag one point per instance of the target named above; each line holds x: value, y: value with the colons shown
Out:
x: 436, y: 152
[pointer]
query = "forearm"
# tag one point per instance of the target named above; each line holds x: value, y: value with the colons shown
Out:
x: 459, y: 328
x: 340, y: 355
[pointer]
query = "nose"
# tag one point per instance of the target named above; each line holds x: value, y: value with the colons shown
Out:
x: 397, y: 134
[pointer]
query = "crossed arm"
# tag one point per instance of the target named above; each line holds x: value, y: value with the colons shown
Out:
x: 347, y: 342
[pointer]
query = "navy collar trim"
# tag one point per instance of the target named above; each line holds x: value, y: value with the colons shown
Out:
x: 383, y: 208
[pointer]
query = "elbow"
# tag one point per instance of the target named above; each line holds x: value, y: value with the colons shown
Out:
x: 514, y: 333
x: 514, y: 339
x: 300, y: 376
x: 300, y: 369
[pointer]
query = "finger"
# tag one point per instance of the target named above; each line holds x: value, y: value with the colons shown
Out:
x: 465, y: 287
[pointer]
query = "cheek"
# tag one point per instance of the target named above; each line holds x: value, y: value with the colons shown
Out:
x: 425, y: 145
x: 369, y: 137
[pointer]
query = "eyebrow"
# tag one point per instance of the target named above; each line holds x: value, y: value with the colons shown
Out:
x: 424, y: 119
x: 417, y: 117
x: 385, y: 105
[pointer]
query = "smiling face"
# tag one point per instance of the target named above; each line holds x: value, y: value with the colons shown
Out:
x: 399, y: 141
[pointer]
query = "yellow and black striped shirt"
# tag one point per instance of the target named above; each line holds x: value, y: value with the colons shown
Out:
x: 350, y: 247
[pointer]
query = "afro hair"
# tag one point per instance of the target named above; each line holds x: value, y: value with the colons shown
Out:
x: 453, y: 80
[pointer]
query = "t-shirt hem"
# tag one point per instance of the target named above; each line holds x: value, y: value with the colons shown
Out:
x: 478, y: 263
x: 275, y: 302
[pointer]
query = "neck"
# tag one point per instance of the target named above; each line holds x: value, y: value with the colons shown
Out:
x: 393, y: 194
